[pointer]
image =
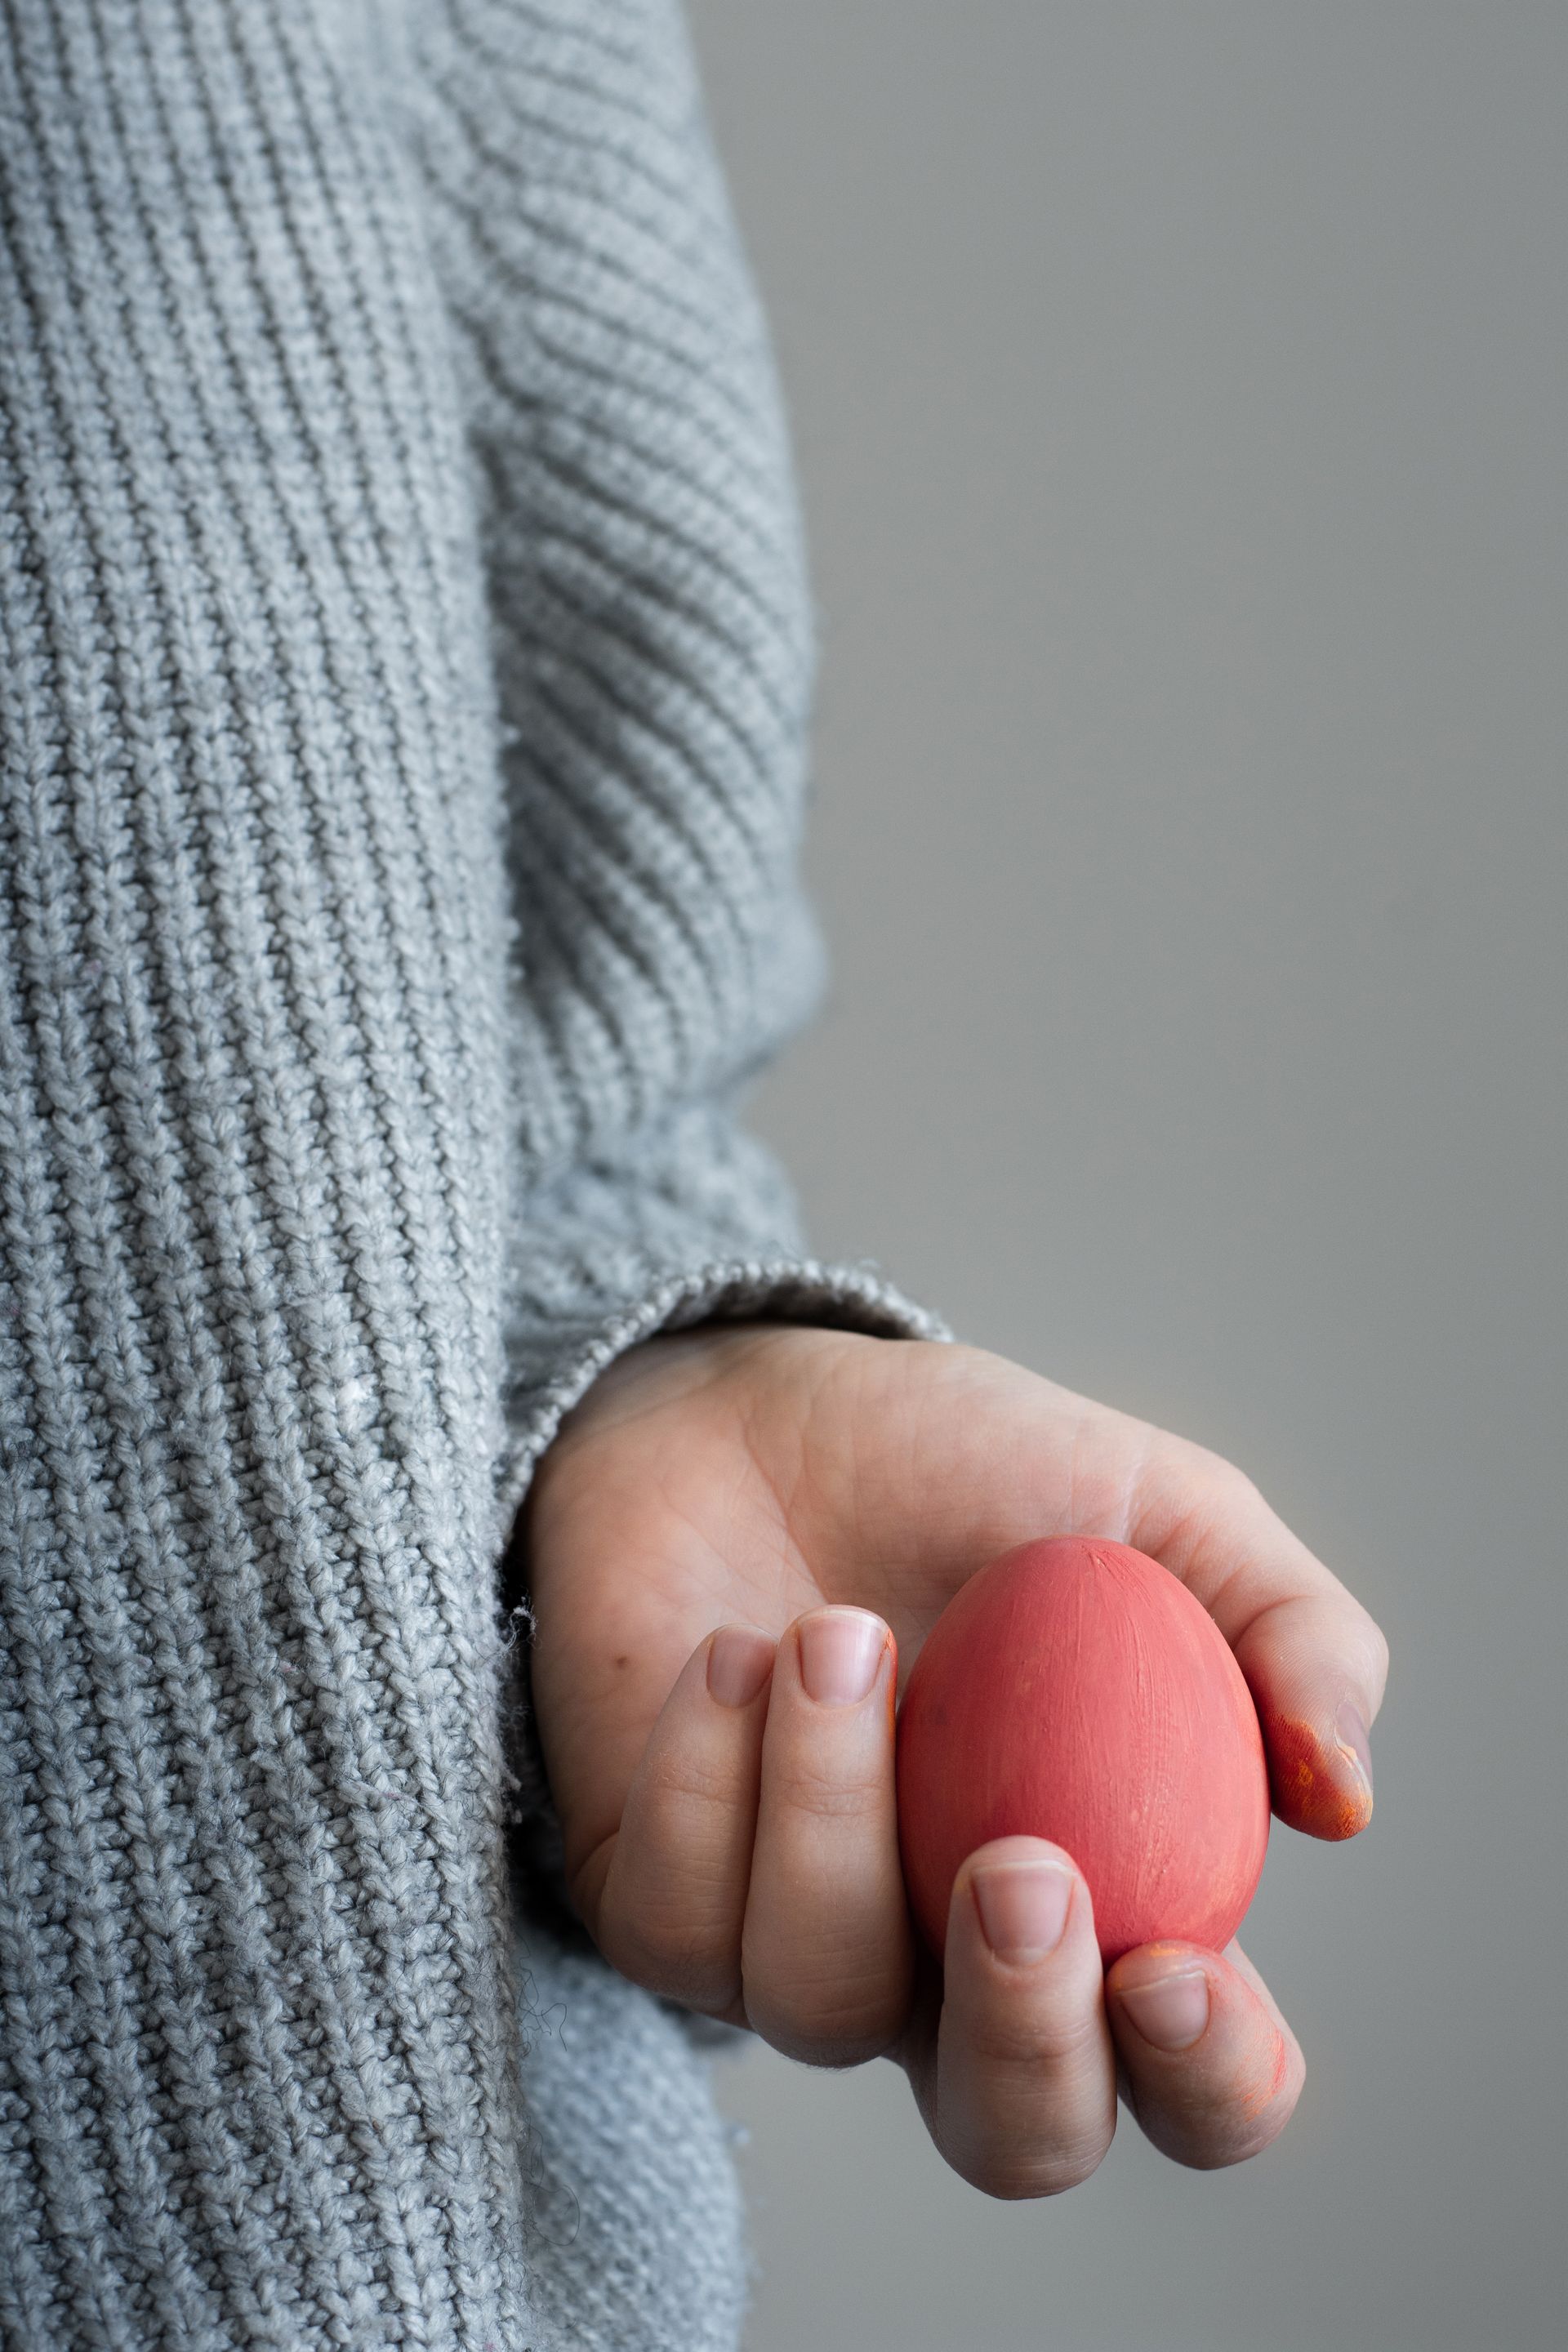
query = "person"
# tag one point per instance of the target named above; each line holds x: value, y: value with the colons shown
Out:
x: 457, y: 1546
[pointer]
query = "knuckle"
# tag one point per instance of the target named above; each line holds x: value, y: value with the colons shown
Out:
x: 1011, y: 2175
x: 1233, y: 2144
x: 1226, y: 2130
x: 664, y: 1952
x: 1207, y: 1468
x: 831, y: 2022
x: 1236, y: 1487
x: 811, y: 1783
x: 681, y: 1786
x: 1377, y: 1642
x: 1053, y: 2038
x: 836, y: 2053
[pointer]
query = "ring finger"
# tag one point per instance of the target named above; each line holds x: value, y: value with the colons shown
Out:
x: 1213, y: 2070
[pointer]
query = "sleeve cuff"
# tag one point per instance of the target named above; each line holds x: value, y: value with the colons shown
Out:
x: 785, y: 1289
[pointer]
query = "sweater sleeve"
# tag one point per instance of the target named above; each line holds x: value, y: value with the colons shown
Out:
x: 403, y: 676
x: 653, y: 659
x: 652, y: 646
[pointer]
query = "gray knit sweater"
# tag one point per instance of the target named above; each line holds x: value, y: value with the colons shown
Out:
x: 403, y: 670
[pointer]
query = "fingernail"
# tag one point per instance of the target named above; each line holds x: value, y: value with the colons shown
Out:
x: 738, y: 1664
x: 1350, y: 1726
x: 840, y: 1651
x: 1171, y: 2011
x: 1023, y: 1908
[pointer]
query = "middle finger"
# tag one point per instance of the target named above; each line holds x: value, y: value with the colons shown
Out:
x: 1023, y: 2103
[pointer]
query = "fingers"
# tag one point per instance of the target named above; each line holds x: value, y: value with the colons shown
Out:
x: 827, y: 1949
x: 1018, y: 2082
x: 1019, y: 2093
x: 755, y: 1876
x: 664, y: 1896
x: 1315, y: 1662
x: 1211, y: 2069
x: 755, y: 1872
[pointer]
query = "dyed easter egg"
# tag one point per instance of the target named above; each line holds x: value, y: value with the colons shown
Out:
x: 1075, y: 1690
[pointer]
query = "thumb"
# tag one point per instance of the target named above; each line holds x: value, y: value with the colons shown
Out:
x: 1316, y: 1679
x: 1314, y: 1660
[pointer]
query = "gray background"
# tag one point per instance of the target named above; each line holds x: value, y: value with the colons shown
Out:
x: 1178, y: 394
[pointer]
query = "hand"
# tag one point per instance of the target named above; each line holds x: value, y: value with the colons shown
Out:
x: 737, y: 1542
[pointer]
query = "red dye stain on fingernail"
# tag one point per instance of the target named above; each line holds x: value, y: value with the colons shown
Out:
x: 1305, y: 1793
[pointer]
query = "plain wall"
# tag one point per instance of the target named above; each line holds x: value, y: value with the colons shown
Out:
x: 1179, y: 401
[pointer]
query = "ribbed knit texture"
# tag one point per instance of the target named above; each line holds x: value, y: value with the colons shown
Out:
x: 403, y: 676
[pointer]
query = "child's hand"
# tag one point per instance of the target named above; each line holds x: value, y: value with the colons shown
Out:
x: 727, y: 1796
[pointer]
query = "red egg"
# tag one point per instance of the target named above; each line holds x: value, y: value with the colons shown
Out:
x: 1075, y: 1690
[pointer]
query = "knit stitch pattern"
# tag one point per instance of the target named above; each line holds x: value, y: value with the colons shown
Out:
x: 403, y: 671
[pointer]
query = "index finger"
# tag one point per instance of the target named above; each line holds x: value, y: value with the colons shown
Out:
x: 1315, y: 1661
